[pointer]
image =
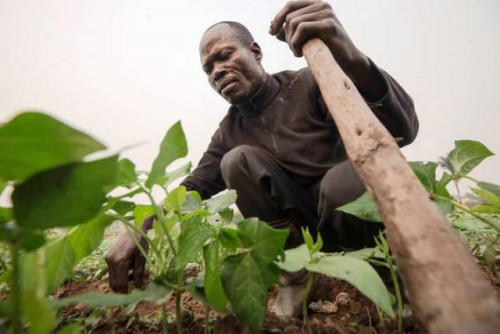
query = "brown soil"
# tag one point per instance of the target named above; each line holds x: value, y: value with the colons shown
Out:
x: 355, y: 315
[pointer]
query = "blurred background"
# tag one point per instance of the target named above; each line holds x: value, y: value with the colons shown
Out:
x: 125, y: 70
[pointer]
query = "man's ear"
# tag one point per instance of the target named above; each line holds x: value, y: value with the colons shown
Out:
x: 257, y: 52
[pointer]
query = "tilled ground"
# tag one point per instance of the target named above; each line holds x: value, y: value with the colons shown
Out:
x: 336, y: 308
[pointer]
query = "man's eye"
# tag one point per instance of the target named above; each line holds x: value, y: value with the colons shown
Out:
x: 225, y: 55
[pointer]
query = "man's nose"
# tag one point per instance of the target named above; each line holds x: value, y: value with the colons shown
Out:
x: 219, y: 73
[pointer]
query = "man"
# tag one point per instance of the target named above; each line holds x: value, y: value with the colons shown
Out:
x: 278, y: 146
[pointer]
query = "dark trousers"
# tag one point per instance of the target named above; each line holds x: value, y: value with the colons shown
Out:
x: 265, y: 190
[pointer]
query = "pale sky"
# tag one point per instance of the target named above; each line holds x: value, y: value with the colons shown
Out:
x: 125, y: 70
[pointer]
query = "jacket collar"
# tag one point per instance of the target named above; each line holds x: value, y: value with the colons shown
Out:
x: 263, y: 97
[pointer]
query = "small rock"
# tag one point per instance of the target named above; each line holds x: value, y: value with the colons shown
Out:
x: 342, y: 299
x: 323, y: 307
x: 80, y: 308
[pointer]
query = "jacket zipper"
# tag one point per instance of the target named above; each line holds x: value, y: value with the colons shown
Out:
x: 273, y: 140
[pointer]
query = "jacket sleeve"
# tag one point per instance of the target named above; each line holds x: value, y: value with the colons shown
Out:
x: 206, y: 177
x: 395, y: 109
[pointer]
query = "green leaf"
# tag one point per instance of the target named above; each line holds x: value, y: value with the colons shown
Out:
x: 141, y: 212
x: 192, y: 203
x: 367, y: 253
x: 441, y: 186
x: 9, y: 231
x: 295, y: 259
x: 308, y: 239
x: 175, y: 198
x: 227, y: 215
x: 85, y: 238
x: 3, y: 185
x: 221, y: 202
x: 63, y: 254
x: 426, y: 173
x: 492, y: 188
x: 73, y: 328
x: 489, y: 257
x: 123, y: 207
x: 61, y: 259
x: 33, y: 142
x: 175, y: 174
x: 153, y: 293
x: 63, y: 196
x: 234, y: 239
x: 214, y: 290
x: 246, y: 283
x: 194, y: 234
x: 488, y: 209
x: 5, y: 215
x: 490, y: 198
x: 268, y: 242
x: 45, y: 269
x: 29, y: 239
x: 127, y: 175
x: 358, y: 273
x: 467, y: 154
x: 39, y: 314
x: 471, y: 224
x: 173, y: 147
x: 363, y: 207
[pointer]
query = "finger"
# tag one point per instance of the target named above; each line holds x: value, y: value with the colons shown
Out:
x: 300, y: 38
x: 279, y: 19
x: 316, y: 12
x: 281, y: 35
x: 308, y: 30
x: 118, y: 277
x: 139, y: 269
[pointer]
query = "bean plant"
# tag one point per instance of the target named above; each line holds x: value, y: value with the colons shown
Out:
x: 478, y: 222
x: 56, y: 184
x: 44, y: 161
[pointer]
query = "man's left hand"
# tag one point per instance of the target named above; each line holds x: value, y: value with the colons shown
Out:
x: 302, y: 20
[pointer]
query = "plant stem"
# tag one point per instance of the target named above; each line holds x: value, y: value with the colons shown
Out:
x: 397, y: 291
x: 475, y: 215
x: 15, y: 290
x: 161, y: 218
x: 3, y: 265
x: 178, y: 302
x: 164, y: 319
x: 207, y: 320
x: 458, y: 191
x: 309, y: 284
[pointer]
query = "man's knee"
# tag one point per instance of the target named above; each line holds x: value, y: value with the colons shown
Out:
x: 341, y: 185
x: 234, y: 162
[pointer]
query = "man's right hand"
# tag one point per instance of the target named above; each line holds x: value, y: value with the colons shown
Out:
x: 123, y: 257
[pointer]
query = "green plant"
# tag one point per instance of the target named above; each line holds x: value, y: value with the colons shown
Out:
x: 345, y: 266
x: 479, y: 223
x: 42, y: 159
x: 238, y: 260
x: 56, y: 185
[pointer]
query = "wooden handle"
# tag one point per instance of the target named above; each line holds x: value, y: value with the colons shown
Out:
x: 447, y: 291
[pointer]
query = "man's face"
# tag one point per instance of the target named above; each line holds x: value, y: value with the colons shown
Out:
x: 233, y: 70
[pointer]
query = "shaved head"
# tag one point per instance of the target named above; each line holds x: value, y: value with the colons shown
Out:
x: 240, y: 32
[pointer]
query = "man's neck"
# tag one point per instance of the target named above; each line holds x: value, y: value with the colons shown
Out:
x: 261, y: 98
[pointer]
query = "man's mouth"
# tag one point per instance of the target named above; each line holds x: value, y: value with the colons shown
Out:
x: 227, y: 86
